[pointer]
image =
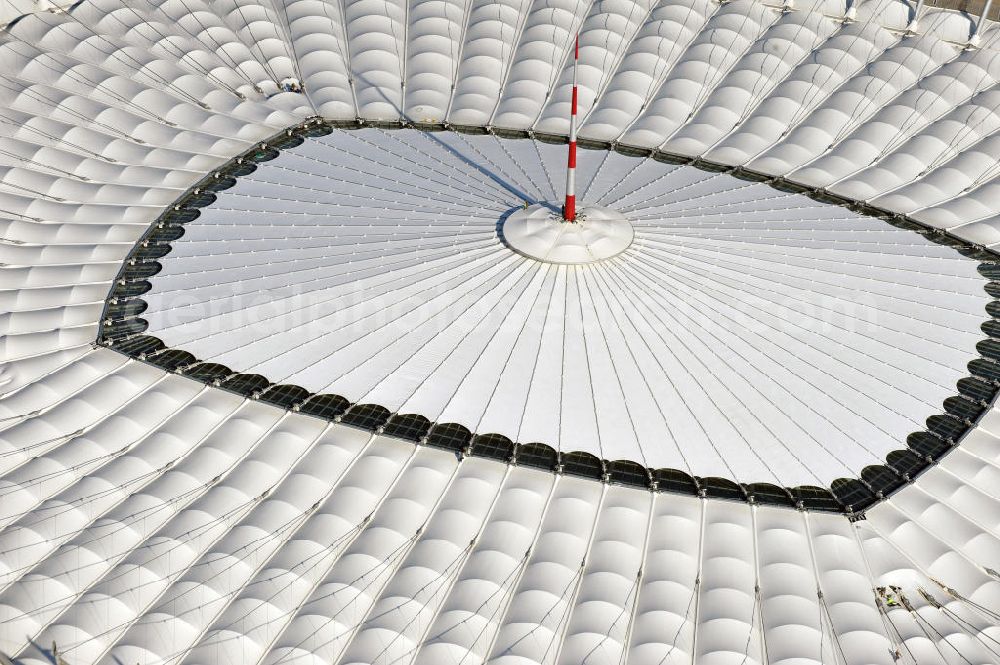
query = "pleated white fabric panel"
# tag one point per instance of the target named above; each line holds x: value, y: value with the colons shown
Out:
x: 148, y: 518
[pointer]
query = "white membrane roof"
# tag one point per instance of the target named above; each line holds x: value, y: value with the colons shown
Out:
x: 149, y: 518
x: 747, y: 333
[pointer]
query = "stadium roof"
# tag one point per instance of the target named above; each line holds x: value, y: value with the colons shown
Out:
x: 276, y: 389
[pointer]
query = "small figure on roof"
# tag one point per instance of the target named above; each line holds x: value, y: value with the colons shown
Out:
x: 291, y: 85
x: 888, y: 595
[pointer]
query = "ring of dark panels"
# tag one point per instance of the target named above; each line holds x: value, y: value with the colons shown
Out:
x: 122, y: 329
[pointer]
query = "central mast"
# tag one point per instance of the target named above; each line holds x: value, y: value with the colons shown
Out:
x: 596, y: 234
x: 569, y: 207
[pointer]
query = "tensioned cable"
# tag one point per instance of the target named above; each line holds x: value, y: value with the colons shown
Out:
x: 108, y: 577
x: 559, y: 636
x: 134, y: 109
x: 506, y: 61
x: 43, y: 168
x: 469, y: 185
x: 824, y: 609
x: 764, y: 85
x: 322, y: 507
x: 524, y: 279
x: 918, y: 120
x: 602, y: 329
x: 501, y: 588
x: 858, y: 116
x: 465, y: 179
x: 718, y: 74
x: 60, y: 397
x: 965, y: 129
x: 22, y: 126
x: 99, y: 464
x: 273, y: 426
x: 852, y: 317
x: 253, y: 500
x: 545, y: 277
x: 598, y: 172
x: 984, y: 611
x: 514, y: 579
x: 906, y: 555
x: 38, y: 57
x: 456, y: 54
x: 526, y: 274
x: 618, y: 277
x: 215, y: 49
x: 660, y: 205
x: 449, y: 579
x: 402, y: 139
x: 117, y: 556
x: 443, y: 579
x: 64, y: 603
x: 604, y: 197
x: 624, y: 50
x: 666, y: 175
x: 85, y: 499
x: 259, y: 500
x: 757, y: 609
x: 977, y: 632
x: 387, y: 139
x: 927, y: 69
x: 795, y: 420
x: 748, y: 408
x: 585, y: 358
x: 114, y: 629
x: 922, y: 621
x: 892, y: 634
x: 850, y: 50
x: 411, y: 265
x: 81, y: 431
x: 723, y: 293
x: 280, y: 34
x: 164, y: 42
x: 758, y: 263
x: 809, y: 103
x: 315, y: 190
x: 85, y: 428
x: 122, y: 525
x: 728, y: 290
x: 452, y: 311
x: 483, y: 157
x: 570, y: 590
x: 534, y: 363
x: 387, y: 563
x: 292, y: 526
x: 471, y: 270
x: 58, y: 105
x: 285, y: 28
x: 575, y: 26
x: 426, y: 276
x: 548, y: 178
x: 264, y: 61
x: 338, y: 32
x: 734, y: 295
x: 119, y: 53
x: 276, y: 533
x: 669, y: 63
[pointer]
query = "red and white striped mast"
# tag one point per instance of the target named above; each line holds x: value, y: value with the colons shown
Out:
x: 569, y: 207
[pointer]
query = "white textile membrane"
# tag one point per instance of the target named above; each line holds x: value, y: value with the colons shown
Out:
x: 744, y: 332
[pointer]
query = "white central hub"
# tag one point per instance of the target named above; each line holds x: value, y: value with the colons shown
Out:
x: 541, y: 234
